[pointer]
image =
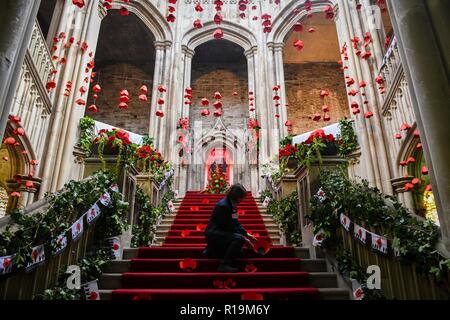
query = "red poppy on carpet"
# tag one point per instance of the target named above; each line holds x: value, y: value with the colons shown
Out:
x: 261, y: 246
x: 201, y: 227
x: 252, y: 296
x: 250, y: 267
x: 353, y: 93
x: 205, y: 200
x: 185, y: 233
x: 240, y: 212
x: 229, y: 284
x: 188, y: 264
x: 143, y: 89
x: 92, y: 108
x: 195, y: 208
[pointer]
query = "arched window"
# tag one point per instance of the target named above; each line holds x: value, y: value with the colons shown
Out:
x: 423, y: 196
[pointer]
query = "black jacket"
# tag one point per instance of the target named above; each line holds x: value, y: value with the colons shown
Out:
x: 224, y: 220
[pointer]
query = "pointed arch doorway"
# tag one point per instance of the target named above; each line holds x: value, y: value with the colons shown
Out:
x: 219, y: 157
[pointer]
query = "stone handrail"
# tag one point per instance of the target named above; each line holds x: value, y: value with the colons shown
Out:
x: 40, y: 53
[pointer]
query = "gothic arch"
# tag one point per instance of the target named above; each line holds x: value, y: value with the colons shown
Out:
x: 231, y: 32
x: 286, y: 19
x: 150, y: 16
x: 406, y: 150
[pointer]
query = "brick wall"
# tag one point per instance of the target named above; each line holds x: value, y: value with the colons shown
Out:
x: 207, y: 78
x: 112, y: 80
x: 304, y: 81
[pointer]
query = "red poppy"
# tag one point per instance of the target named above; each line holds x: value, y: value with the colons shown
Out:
x: 185, y: 233
x: 51, y: 84
x: 198, y: 7
x: 428, y: 188
x: 416, y: 134
x: 397, y: 136
x: 316, y: 116
x: 240, y: 212
x: 143, y: 97
x: 205, y: 112
x: 250, y: 267
x: 366, y: 55
x: 298, y: 44
x: 353, y: 93
x: 415, y: 181
x: 411, y: 160
x: 159, y: 113
x: 15, y: 194
x: 170, y: 17
x: 350, y: 82
x: 405, y: 127
x: 298, y: 27
x: 195, y: 208
x: 92, y: 108
x: 79, y: 3
x: 217, y: 113
x: 198, y: 24
x: 19, y: 132
x: 229, y: 284
x: 252, y: 296
x: 218, y: 33
x: 326, y: 117
x: 188, y: 264
x: 6, y: 263
x: 9, y: 140
x: 80, y: 102
x: 34, y: 254
x: 409, y: 186
x: 160, y: 101
x: 123, y: 106
x: 201, y: 227
x: 142, y: 297
x: 368, y: 115
x: 116, y: 247
x: 15, y: 119
x: 218, y: 284
x: 218, y: 18
x: 261, y: 246
x: 93, y: 295
x: 324, y: 93
x: 29, y: 184
x: 143, y: 89
x: 217, y: 104
x: 379, y: 80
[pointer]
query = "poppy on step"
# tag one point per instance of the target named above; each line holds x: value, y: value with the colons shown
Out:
x: 250, y: 267
x: 205, y: 200
x: 188, y: 264
x: 201, y: 227
x: 261, y: 246
x: 252, y: 296
x: 185, y: 233
x: 195, y: 208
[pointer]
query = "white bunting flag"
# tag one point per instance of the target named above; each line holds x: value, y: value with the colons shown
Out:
x: 321, y: 195
x: 358, y: 294
x: 37, y: 257
x: 114, y: 187
x: 90, y: 290
x: 60, y: 243
x: 345, y: 221
x: 93, y: 213
x: 318, y: 238
x: 77, y: 228
x: 171, y: 206
x: 360, y: 233
x: 379, y: 243
x: 266, y: 202
x: 6, y: 264
x: 396, y: 252
x: 116, y: 249
x: 105, y: 199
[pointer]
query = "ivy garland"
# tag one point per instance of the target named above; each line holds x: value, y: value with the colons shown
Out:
x: 348, y: 140
x: 64, y: 208
x: 285, y: 213
x: 415, y: 239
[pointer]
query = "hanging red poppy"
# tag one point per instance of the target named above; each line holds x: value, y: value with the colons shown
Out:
x: 79, y: 3
x: 205, y: 102
x: 298, y: 44
x: 368, y: 115
x: 159, y: 113
x: 143, y: 89
x: 198, y: 24
x: 143, y: 97
x: 205, y: 112
x: 97, y: 88
x: 198, y: 7
x: 92, y: 108
x: 325, y: 108
x: 80, y: 102
x: 326, y: 117
x: 298, y: 27
x: 218, y: 34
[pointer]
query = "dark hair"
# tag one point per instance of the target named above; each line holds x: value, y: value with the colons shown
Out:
x: 236, y: 192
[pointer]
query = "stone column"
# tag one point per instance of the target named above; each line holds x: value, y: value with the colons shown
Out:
x: 279, y: 76
x: 422, y: 29
x: 367, y: 150
x: 375, y: 126
x: 58, y: 162
x: 17, y: 18
x: 159, y: 47
x: 67, y: 165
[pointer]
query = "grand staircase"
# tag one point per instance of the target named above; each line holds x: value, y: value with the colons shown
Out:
x: 156, y: 272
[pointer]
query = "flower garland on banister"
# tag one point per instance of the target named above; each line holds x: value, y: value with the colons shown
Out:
x: 28, y: 242
x: 341, y: 201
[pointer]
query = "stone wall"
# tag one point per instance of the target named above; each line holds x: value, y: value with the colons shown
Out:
x: 114, y: 78
x: 304, y: 81
x: 207, y: 78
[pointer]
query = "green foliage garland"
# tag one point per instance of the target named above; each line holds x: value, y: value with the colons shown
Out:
x: 383, y: 214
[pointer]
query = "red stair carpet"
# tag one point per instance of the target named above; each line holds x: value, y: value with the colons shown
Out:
x: 157, y: 272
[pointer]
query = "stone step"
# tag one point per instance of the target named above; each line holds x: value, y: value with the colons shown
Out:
x: 325, y: 294
x: 113, y: 281
x: 307, y: 265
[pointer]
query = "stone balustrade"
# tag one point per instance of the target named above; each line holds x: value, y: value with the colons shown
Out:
x: 40, y: 54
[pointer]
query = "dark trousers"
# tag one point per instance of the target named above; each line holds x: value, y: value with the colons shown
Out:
x: 227, y: 247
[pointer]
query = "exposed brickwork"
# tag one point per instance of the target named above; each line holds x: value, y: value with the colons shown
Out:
x: 226, y: 78
x: 112, y: 80
x: 304, y: 81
